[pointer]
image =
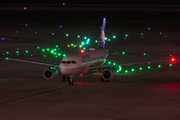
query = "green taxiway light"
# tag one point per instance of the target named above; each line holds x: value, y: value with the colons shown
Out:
x: 149, y: 67
x: 114, y: 36
x: 170, y: 64
x: 96, y: 41
x: 57, y: 46
x: 17, y: 48
x: 159, y: 66
x: 141, y: 33
x: 17, y: 52
x: 26, y: 51
x: 35, y: 32
x: 52, y: 33
x: 132, y: 69
x: 78, y: 36
x: 31, y: 55
x: 16, y: 31
x: 82, y: 43
x: 64, y: 55
x: 44, y: 55
x: 37, y: 47
x: 85, y: 37
x: 7, y: 52
x: 59, y: 54
x: 126, y: 71
x: 126, y: 35
x: 144, y: 53
x: 123, y: 53
x: 109, y: 39
x: 160, y: 33
x: 109, y: 62
x: 47, y: 49
x: 140, y: 68
x: 67, y: 35
x: 105, y: 38
x: 72, y: 44
x: 114, y: 63
x: 6, y: 58
x: 120, y: 68
x: 43, y: 50
x: 84, y: 48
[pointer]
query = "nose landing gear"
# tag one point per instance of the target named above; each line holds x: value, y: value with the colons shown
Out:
x: 69, y: 78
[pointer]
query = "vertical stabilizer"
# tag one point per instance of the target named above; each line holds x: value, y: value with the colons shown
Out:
x: 102, y: 35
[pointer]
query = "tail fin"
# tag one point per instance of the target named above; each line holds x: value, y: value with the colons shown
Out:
x: 102, y: 35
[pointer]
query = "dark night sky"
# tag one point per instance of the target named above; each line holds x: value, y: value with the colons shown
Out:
x: 106, y: 2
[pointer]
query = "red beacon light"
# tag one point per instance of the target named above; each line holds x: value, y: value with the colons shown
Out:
x: 82, y: 51
x: 81, y: 74
x: 172, y: 59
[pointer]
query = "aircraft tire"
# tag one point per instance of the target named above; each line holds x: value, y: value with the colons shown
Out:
x: 64, y: 78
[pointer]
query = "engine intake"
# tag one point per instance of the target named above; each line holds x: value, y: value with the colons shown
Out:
x: 50, y: 73
x: 108, y: 74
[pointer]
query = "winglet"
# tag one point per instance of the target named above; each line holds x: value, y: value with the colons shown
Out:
x: 102, y: 35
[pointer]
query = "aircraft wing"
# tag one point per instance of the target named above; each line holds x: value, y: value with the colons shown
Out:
x: 144, y: 62
x: 128, y: 64
x: 35, y: 62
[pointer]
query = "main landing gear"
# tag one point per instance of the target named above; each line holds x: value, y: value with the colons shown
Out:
x: 69, y: 78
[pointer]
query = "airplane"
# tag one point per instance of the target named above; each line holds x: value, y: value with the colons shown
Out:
x: 84, y: 62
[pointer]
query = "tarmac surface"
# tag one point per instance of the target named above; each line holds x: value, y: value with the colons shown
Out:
x: 150, y: 94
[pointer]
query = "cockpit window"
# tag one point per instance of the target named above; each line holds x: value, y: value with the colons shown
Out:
x: 68, y: 62
x: 74, y: 62
x: 64, y: 62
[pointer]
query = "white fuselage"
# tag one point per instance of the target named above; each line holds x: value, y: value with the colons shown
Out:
x: 81, y: 63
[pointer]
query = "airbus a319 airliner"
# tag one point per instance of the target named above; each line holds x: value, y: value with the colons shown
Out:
x: 84, y: 62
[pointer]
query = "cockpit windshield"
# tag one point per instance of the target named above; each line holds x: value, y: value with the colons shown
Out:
x: 68, y: 62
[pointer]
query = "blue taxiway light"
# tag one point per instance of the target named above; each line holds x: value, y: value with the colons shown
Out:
x: 26, y: 25
x: 2, y: 38
x: 149, y: 28
x: 60, y: 26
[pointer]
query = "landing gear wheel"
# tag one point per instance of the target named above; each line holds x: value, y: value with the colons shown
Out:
x: 68, y: 78
x: 64, y: 78
x: 102, y: 80
x: 70, y: 82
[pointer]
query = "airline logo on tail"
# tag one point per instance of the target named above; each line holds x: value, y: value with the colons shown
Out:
x: 102, y: 35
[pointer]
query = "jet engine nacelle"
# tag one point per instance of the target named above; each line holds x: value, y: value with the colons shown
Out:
x: 108, y: 74
x: 50, y: 73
